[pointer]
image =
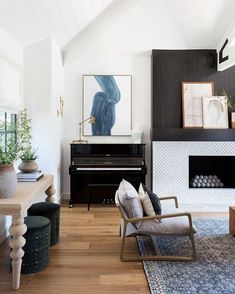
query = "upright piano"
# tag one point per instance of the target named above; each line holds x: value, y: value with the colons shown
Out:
x: 97, y: 169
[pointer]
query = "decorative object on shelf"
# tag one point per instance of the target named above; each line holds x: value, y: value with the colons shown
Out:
x: 136, y: 135
x: 8, y: 154
x: 231, y: 106
x: 60, y: 111
x: 90, y: 120
x: 215, y: 112
x: 204, y: 181
x: 29, y: 177
x: 28, y: 166
x: 192, y: 93
x: 8, y: 181
x: 108, y: 99
x: 28, y: 154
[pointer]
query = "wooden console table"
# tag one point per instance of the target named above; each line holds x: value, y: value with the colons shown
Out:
x: 26, y: 194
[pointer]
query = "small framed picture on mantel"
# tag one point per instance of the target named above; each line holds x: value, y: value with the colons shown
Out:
x: 215, y: 112
x: 192, y: 93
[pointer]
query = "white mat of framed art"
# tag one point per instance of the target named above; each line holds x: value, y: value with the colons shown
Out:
x: 215, y: 112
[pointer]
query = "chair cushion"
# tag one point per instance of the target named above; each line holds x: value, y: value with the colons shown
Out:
x: 130, y: 200
x: 146, y: 202
x: 167, y: 226
x: 155, y: 200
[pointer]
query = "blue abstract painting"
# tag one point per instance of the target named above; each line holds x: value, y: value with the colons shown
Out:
x: 107, y: 98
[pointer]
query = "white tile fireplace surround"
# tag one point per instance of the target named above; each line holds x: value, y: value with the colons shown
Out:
x: 171, y: 174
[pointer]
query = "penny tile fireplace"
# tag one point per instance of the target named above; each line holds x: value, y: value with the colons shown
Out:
x: 175, y: 163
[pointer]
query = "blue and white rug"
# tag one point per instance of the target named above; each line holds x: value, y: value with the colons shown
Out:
x: 213, y: 272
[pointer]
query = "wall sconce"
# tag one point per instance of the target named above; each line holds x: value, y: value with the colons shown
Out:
x: 90, y: 120
x: 60, y: 111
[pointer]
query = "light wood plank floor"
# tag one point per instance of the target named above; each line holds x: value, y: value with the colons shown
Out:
x: 87, y: 258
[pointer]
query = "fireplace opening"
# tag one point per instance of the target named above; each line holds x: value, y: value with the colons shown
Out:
x: 211, y: 172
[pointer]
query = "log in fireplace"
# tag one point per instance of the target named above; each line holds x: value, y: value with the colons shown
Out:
x: 212, y: 172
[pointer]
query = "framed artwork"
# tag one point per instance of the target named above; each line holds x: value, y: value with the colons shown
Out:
x: 215, y: 112
x: 192, y: 93
x: 107, y: 99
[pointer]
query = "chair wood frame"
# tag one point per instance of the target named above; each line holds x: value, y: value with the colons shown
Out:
x: 162, y: 216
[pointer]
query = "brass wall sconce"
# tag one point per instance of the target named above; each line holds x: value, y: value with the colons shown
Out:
x: 90, y: 120
x: 60, y: 111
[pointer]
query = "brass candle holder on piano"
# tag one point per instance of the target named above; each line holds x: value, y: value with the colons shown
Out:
x: 90, y: 120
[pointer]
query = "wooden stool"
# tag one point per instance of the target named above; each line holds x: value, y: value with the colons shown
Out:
x: 232, y: 220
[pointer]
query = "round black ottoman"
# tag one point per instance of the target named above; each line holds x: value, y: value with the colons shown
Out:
x: 37, y: 246
x: 52, y: 212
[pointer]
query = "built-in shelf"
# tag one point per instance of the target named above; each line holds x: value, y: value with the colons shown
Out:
x: 180, y: 134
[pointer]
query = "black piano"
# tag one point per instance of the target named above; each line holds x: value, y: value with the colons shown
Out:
x: 97, y: 169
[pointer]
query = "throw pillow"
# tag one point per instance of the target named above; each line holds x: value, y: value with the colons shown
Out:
x: 146, y: 202
x: 155, y: 200
x: 130, y: 201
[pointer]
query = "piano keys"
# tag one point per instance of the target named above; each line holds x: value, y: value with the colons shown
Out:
x: 97, y: 169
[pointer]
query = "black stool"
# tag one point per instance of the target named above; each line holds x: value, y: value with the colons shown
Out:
x: 37, y: 247
x: 52, y: 212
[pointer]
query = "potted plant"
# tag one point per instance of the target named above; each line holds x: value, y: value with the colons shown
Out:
x: 231, y: 106
x: 8, y: 154
x: 27, y: 153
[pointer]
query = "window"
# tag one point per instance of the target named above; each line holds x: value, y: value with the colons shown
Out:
x: 7, y: 129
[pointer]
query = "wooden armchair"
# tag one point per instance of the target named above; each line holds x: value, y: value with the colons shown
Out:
x: 177, y: 223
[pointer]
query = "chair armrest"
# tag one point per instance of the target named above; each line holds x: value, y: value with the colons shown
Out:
x: 169, y: 215
x: 170, y: 197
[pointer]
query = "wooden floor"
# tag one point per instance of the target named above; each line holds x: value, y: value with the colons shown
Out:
x: 86, y: 260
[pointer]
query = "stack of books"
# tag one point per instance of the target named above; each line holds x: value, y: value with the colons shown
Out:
x: 29, y: 177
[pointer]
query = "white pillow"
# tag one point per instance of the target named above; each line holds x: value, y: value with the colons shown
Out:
x: 146, y: 202
x: 130, y: 200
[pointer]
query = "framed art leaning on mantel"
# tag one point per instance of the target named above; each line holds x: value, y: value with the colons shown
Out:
x: 107, y: 98
x: 192, y: 93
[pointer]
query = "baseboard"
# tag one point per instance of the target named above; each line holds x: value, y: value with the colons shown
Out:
x: 65, y: 196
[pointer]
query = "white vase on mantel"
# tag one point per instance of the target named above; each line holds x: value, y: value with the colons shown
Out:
x: 136, y: 135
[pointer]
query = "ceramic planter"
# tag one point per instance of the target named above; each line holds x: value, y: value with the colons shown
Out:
x: 28, y: 166
x: 8, y: 181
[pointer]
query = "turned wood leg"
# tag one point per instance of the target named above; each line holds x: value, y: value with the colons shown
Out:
x: 50, y: 192
x: 17, y: 229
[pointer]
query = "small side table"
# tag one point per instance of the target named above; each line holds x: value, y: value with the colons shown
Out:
x: 232, y: 220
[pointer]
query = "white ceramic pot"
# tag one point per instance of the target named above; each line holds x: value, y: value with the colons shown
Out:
x: 8, y: 180
x: 28, y: 166
x: 136, y: 135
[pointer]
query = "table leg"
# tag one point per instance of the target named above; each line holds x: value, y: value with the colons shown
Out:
x: 50, y: 192
x: 17, y: 229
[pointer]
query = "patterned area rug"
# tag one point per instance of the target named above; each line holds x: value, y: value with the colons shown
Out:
x: 212, y: 273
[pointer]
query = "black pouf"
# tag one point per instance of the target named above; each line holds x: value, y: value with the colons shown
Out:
x: 37, y: 246
x: 52, y: 212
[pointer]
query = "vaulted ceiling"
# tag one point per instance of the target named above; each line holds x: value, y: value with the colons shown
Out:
x: 28, y: 21
x: 129, y: 24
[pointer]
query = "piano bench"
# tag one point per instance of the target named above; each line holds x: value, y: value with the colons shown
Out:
x: 92, y: 188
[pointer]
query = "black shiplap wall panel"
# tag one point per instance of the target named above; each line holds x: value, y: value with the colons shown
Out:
x: 169, y: 69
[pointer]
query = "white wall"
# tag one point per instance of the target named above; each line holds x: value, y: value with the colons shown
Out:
x: 118, y: 43
x: 11, y: 60
x: 43, y: 85
x: 138, y: 67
